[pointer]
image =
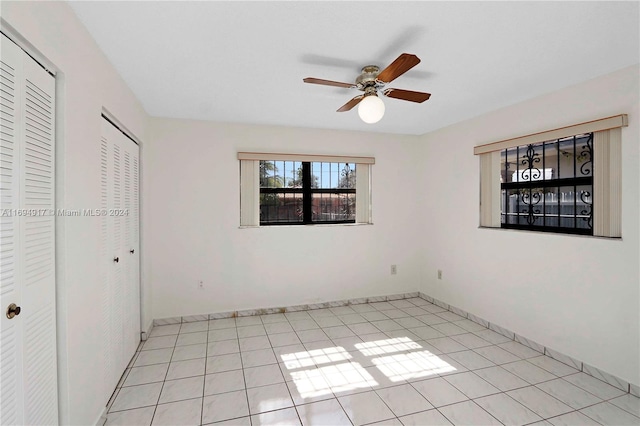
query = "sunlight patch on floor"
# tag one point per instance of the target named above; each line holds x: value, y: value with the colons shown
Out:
x: 315, y: 357
x: 406, y: 362
x: 379, y: 347
x: 342, y: 377
x: 412, y: 365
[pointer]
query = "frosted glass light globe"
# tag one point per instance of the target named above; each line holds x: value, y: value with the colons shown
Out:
x: 371, y: 109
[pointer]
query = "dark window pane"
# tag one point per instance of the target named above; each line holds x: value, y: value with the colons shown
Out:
x: 529, y: 164
x: 280, y: 208
x: 286, y: 188
x: 513, y: 201
x: 551, y: 207
x: 333, y: 175
x: 293, y: 174
x: 549, y: 186
x: 269, y: 175
x: 584, y: 158
x: 333, y: 207
x: 567, y: 206
x: 584, y: 206
x: 503, y: 206
x: 566, y: 159
x: 509, y: 166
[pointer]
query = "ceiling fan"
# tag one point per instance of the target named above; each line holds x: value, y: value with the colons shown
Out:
x: 370, y: 81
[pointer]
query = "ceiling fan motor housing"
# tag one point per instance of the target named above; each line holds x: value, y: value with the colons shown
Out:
x: 367, y: 80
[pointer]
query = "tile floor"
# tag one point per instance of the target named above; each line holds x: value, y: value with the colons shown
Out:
x: 405, y: 362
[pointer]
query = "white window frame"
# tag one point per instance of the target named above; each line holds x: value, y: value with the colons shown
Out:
x: 607, y: 174
x: 250, y: 182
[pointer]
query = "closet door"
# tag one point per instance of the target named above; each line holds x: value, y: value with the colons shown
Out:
x: 11, y: 386
x: 109, y: 370
x: 119, y: 164
x: 111, y: 270
x: 119, y: 300
x: 28, y: 386
x: 130, y: 245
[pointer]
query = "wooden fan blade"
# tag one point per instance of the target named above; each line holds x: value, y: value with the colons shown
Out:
x: 328, y: 82
x: 353, y: 102
x: 407, y: 95
x: 402, y: 64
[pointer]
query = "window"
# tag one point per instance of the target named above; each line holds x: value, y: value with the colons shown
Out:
x: 294, y: 192
x: 566, y: 180
x: 289, y: 189
x: 548, y: 186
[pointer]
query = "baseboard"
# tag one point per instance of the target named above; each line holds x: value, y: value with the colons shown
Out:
x: 280, y: 310
x: 558, y: 356
x: 144, y: 334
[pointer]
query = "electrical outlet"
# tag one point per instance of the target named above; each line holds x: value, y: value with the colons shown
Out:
x: 439, y: 274
x: 200, y: 284
x: 394, y: 269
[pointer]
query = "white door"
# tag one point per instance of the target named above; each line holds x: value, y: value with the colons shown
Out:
x: 120, y: 251
x: 28, y: 379
x: 130, y: 249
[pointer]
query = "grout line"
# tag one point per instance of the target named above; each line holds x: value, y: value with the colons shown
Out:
x: 278, y: 365
x: 204, y: 379
x: 155, y: 409
x: 545, y: 348
x: 443, y: 376
x: 246, y: 389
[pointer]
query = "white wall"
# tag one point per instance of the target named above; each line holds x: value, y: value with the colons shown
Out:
x: 192, y: 228
x: 588, y: 309
x: 578, y: 295
x: 86, y: 82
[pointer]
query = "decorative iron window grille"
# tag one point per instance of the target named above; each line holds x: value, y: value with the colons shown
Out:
x: 549, y: 186
x: 305, y: 193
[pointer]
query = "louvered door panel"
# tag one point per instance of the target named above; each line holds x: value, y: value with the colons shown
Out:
x: 38, y: 184
x: 9, y: 110
x: 135, y: 209
x: 11, y: 394
x: 27, y: 240
x: 118, y: 308
x: 11, y: 386
x: 119, y: 194
x: 134, y: 258
x: 126, y: 247
x: 130, y: 247
x: 109, y: 373
x: 40, y: 377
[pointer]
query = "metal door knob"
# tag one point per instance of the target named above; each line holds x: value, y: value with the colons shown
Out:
x: 13, y: 310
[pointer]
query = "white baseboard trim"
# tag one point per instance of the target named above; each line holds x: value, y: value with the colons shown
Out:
x: 282, y: 310
x: 558, y: 356
x: 144, y: 334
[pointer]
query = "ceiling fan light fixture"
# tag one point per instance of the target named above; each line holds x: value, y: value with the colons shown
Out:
x: 371, y: 109
x: 371, y: 81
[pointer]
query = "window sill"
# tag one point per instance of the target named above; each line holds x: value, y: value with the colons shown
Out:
x: 559, y: 234
x: 316, y: 225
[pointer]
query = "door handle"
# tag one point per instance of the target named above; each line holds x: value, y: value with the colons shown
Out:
x: 116, y: 259
x: 132, y: 251
x: 13, y: 310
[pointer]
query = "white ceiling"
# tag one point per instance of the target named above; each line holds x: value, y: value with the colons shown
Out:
x: 245, y: 61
